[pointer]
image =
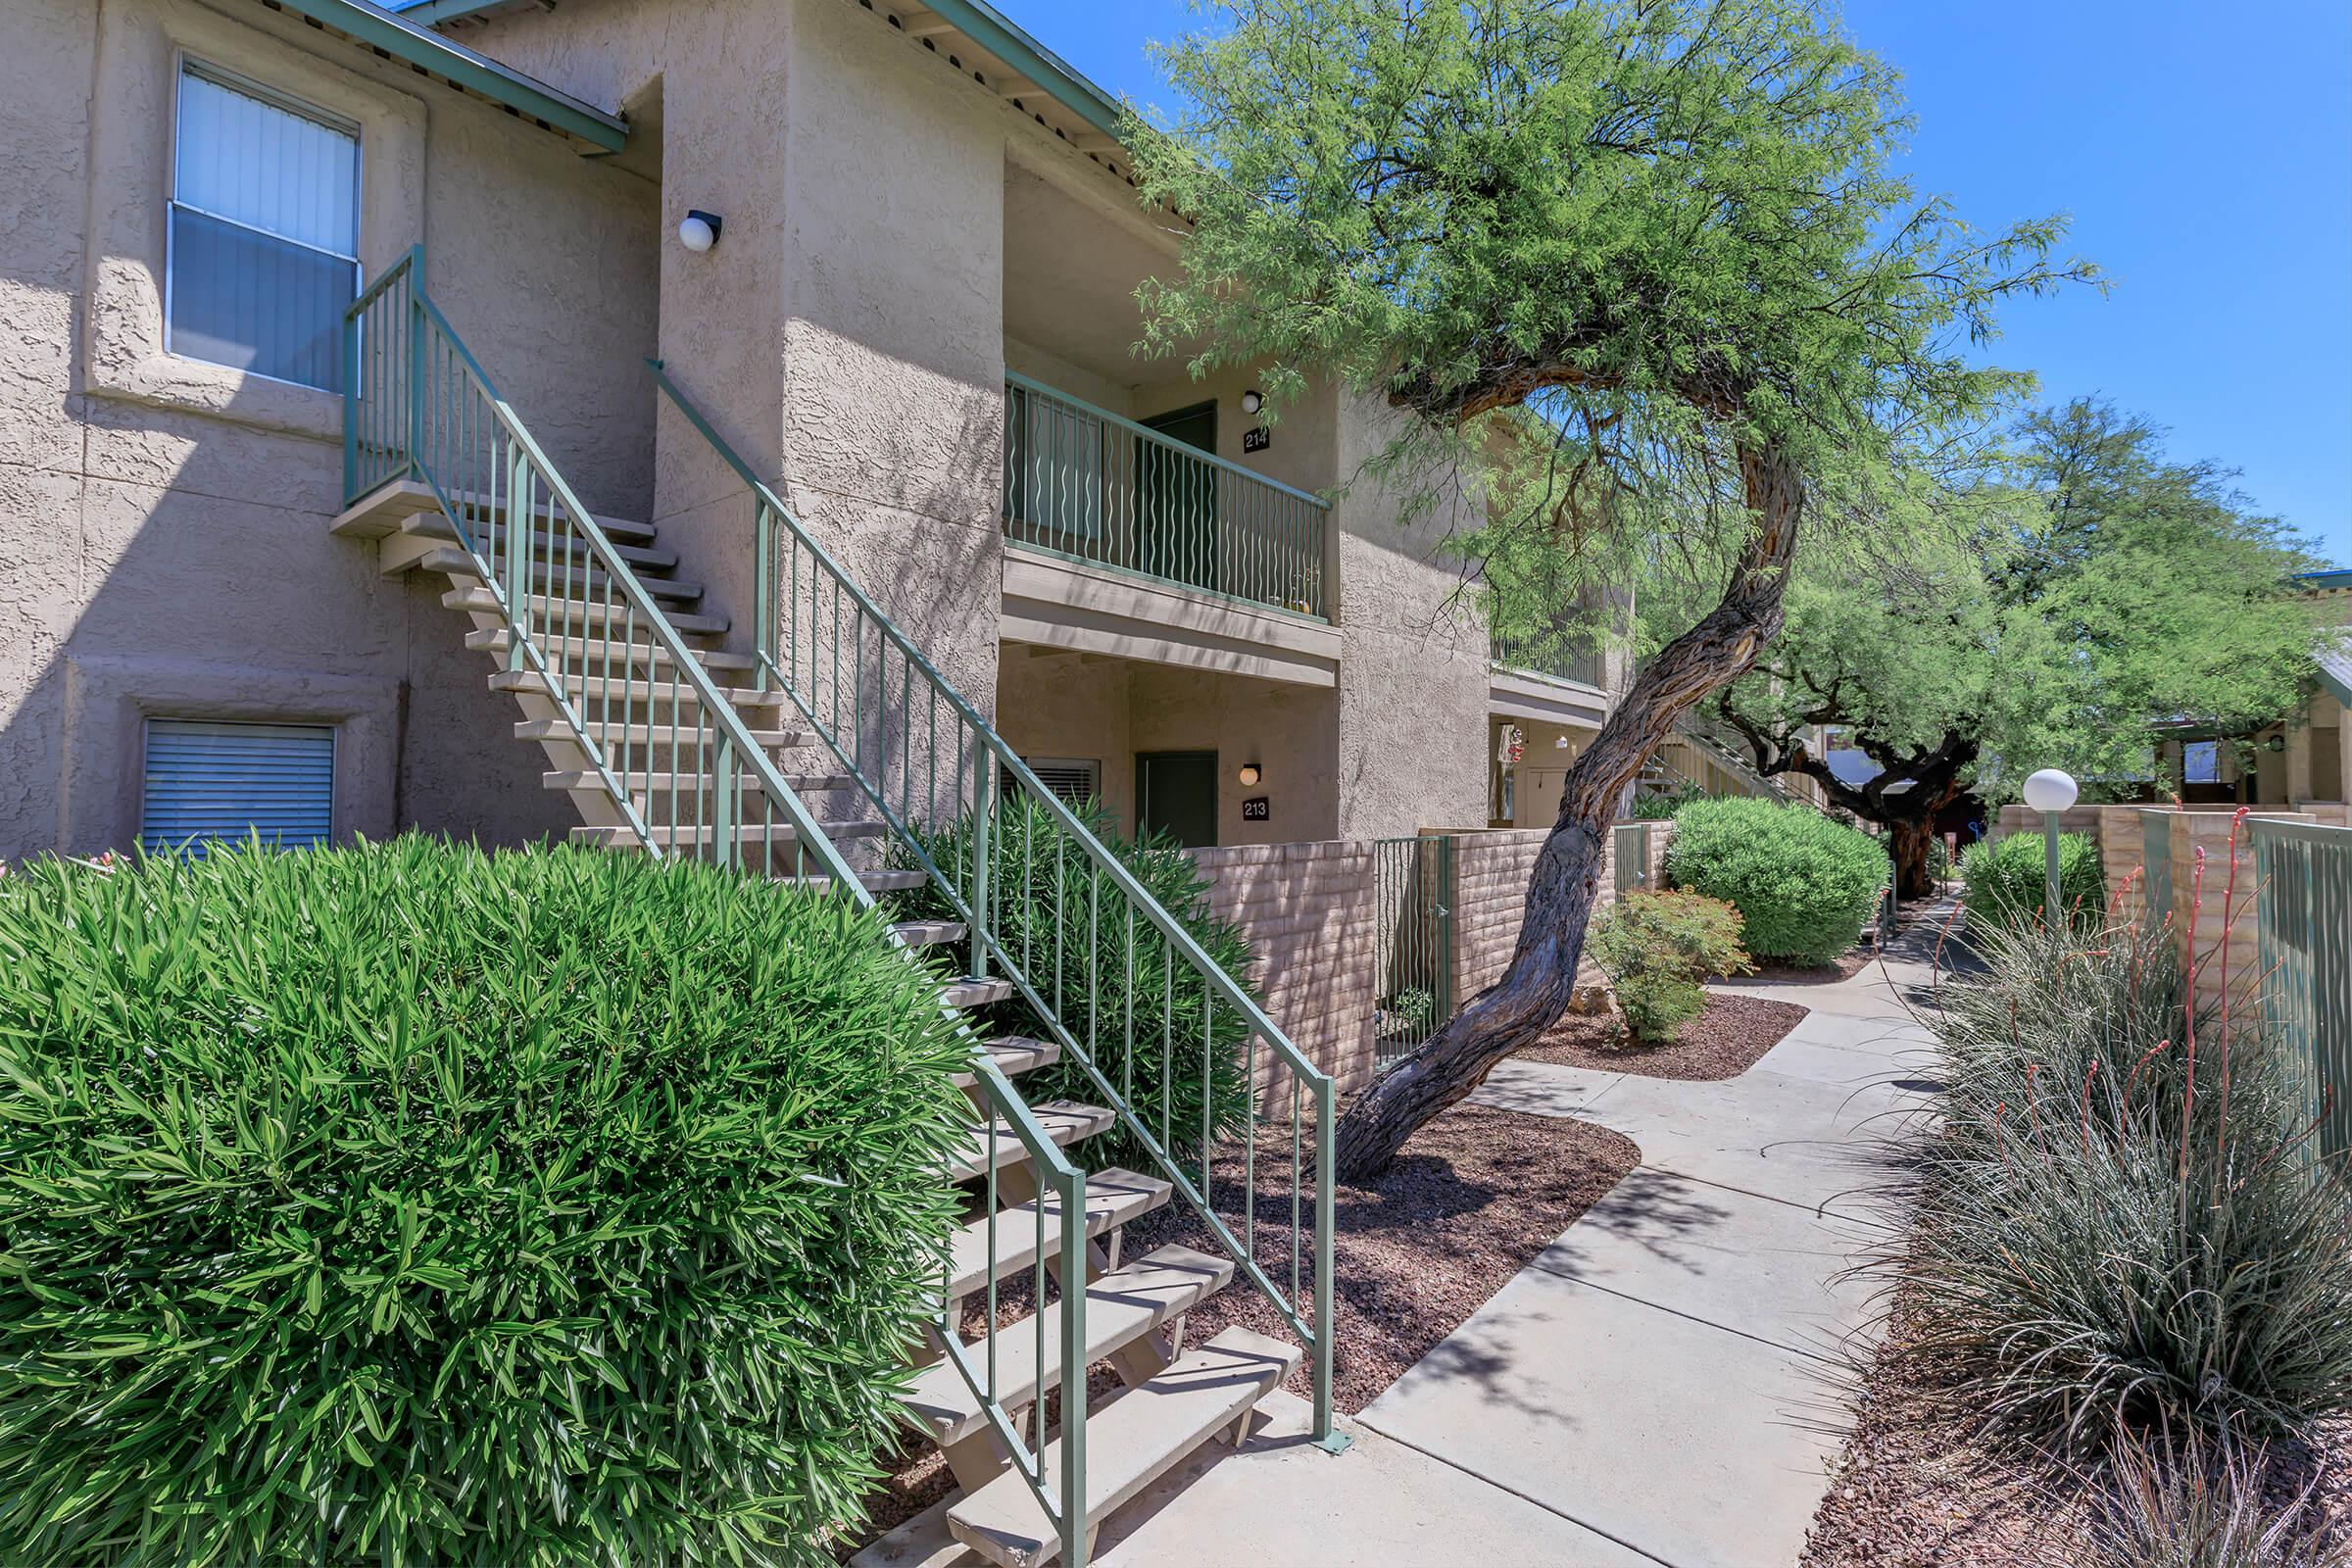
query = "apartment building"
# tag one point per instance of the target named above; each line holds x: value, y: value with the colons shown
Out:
x: 913, y: 316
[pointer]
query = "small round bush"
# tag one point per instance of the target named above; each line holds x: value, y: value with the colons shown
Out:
x: 1802, y: 884
x: 2007, y: 882
x: 415, y: 1204
x: 1657, y: 948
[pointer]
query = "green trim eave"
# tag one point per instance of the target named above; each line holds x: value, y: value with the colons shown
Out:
x: 2337, y: 676
x: 403, y: 40
x: 433, y: 12
x: 996, y: 33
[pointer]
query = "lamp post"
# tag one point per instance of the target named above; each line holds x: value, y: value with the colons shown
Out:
x: 2050, y: 792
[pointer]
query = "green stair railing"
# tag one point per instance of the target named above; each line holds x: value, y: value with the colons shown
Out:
x: 923, y: 756
x: 685, y: 773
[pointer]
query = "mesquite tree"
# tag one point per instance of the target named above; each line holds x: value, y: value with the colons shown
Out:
x: 1657, y: 239
x: 2051, y: 604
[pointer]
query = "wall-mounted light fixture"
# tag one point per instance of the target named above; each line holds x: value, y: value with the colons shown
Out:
x: 699, y: 231
x: 2276, y: 743
x: 1251, y: 773
x: 1253, y: 401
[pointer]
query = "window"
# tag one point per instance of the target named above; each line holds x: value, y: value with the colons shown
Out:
x: 207, y: 781
x: 263, y: 251
x: 1073, y: 780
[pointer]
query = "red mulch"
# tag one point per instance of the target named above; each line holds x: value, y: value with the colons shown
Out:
x: 1723, y: 1042
x: 1847, y: 964
x: 1468, y: 1202
x: 1916, y: 1486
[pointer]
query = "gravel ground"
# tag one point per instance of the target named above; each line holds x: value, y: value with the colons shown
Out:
x: 1723, y: 1042
x: 1847, y: 964
x: 1468, y: 1202
x: 1916, y: 1487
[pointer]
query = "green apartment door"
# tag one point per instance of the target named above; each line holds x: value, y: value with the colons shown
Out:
x: 1176, y: 498
x: 1176, y: 794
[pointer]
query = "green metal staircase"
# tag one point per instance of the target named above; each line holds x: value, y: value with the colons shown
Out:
x: 820, y: 756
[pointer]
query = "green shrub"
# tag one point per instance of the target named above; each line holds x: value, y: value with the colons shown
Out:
x: 2007, y: 881
x: 1657, y: 948
x: 2114, y: 1237
x: 1046, y: 897
x: 1664, y: 803
x: 410, y: 1203
x: 1802, y: 884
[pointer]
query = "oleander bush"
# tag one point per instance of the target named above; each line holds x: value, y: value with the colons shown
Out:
x: 2007, y: 882
x: 1050, y: 906
x: 1803, y: 885
x: 1657, y: 948
x: 417, y: 1205
x: 2122, y: 1226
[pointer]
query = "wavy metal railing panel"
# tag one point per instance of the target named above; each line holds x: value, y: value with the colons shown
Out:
x: 924, y: 756
x: 679, y: 764
x: 2303, y: 926
x: 1084, y: 482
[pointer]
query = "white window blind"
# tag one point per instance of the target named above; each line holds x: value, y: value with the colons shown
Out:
x: 1071, y: 779
x: 207, y: 781
x: 265, y: 232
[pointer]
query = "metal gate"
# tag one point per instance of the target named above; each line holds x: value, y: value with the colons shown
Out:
x: 1412, y: 938
x: 2303, y: 928
x: 1631, y: 850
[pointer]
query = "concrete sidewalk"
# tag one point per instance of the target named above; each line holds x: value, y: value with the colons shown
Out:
x: 1655, y: 1388
x: 1665, y: 1374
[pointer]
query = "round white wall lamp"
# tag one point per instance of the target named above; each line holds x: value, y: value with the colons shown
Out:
x: 1253, y: 401
x: 699, y: 231
x: 1250, y: 774
x: 2049, y: 790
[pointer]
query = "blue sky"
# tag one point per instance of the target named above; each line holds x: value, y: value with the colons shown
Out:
x: 2204, y: 149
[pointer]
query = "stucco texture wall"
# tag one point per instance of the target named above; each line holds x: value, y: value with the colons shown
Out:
x: 163, y: 523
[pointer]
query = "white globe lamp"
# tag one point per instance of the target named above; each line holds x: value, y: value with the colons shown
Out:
x: 2050, y: 791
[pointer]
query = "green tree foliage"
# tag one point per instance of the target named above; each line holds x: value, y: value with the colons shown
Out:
x: 1602, y: 259
x: 412, y: 1204
x: 1803, y: 884
x: 1657, y: 948
x: 1121, y: 990
x: 2045, y: 604
x: 2008, y: 882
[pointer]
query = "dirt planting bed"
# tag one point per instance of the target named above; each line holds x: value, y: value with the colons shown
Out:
x: 1723, y: 1042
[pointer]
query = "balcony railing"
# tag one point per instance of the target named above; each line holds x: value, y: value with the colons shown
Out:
x: 1564, y: 656
x: 1082, y: 483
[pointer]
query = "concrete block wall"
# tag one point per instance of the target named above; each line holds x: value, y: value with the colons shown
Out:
x: 1490, y: 872
x: 1307, y: 908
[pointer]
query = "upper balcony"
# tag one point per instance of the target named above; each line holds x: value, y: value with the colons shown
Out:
x: 1145, y: 499
x: 1553, y: 673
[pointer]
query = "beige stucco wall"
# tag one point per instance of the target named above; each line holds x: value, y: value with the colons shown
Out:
x: 163, y: 523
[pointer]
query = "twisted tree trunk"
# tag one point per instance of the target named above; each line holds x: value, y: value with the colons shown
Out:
x: 1536, y: 988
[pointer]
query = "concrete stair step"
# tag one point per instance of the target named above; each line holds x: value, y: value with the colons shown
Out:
x: 1113, y: 1197
x: 891, y: 880
x: 582, y: 612
x: 690, y: 833
x: 995, y: 1146
x: 619, y: 688
x: 638, y: 652
x: 929, y: 933
x: 544, y: 544
x: 452, y: 561
x: 976, y: 993
x: 1122, y: 1308
x: 385, y: 509
x: 691, y: 783
x: 1131, y: 1441
x: 1014, y: 1054
x: 658, y: 736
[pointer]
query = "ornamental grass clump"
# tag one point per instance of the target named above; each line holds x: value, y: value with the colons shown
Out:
x: 1802, y: 884
x: 2007, y: 883
x: 2122, y: 1226
x: 417, y: 1205
x: 1062, y: 924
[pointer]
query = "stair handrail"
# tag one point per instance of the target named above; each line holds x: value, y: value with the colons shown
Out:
x: 413, y: 411
x: 1319, y: 1084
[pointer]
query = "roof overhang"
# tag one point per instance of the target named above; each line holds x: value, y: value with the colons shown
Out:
x: 398, y: 36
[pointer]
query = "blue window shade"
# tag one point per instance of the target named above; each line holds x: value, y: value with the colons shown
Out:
x: 265, y: 232
x: 208, y: 781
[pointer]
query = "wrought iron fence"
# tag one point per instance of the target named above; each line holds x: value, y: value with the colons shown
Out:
x: 1575, y: 656
x: 1082, y: 483
x: 1412, y: 933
